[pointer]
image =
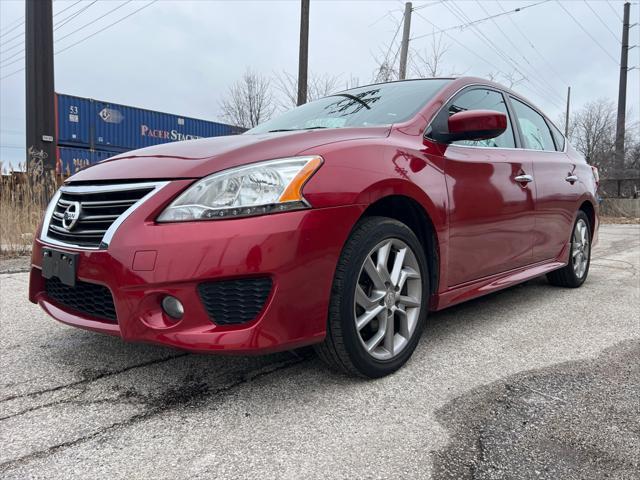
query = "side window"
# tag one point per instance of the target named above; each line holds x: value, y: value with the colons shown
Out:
x: 535, y: 131
x: 558, y: 138
x: 481, y: 99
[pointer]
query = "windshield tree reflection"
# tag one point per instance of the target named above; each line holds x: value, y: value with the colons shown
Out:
x: 381, y: 104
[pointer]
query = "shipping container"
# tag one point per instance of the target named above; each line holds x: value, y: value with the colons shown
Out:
x: 101, y: 125
x: 73, y: 126
x: 71, y: 159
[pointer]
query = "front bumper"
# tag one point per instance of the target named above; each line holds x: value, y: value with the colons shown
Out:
x: 146, y: 261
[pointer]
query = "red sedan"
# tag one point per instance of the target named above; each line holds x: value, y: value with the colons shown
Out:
x: 339, y: 224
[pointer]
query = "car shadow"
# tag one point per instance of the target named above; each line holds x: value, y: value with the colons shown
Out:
x: 76, y: 370
x: 160, y: 375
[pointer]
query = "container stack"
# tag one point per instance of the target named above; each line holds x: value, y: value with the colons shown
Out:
x: 89, y: 131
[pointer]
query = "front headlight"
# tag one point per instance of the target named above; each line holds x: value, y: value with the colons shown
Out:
x: 256, y: 189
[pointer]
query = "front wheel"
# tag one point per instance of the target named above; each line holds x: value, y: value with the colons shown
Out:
x: 575, y: 272
x: 378, y: 301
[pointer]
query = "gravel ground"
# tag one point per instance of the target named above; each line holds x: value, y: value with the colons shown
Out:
x: 531, y: 382
x: 15, y: 264
x: 572, y: 420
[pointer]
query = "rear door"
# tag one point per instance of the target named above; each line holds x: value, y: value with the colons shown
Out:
x: 556, y: 181
x: 491, y: 211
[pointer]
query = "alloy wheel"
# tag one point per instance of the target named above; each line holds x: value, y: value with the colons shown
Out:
x: 580, y: 248
x: 388, y: 299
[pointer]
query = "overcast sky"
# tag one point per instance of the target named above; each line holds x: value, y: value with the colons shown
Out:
x: 181, y: 56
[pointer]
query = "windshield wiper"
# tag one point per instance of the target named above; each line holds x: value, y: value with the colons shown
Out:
x: 293, y: 129
x: 352, y: 97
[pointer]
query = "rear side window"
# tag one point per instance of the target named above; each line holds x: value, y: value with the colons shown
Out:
x: 535, y: 131
x: 482, y: 99
x: 558, y: 138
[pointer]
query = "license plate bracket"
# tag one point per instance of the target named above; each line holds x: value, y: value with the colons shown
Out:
x: 61, y: 265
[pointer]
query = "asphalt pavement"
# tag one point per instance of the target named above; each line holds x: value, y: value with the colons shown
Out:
x: 532, y: 382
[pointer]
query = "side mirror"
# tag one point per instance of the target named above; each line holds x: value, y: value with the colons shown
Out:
x: 473, y: 125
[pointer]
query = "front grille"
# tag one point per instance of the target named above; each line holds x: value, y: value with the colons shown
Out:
x: 98, y: 210
x: 90, y: 298
x: 234, y: 301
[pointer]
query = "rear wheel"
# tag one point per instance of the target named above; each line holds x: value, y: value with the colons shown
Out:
x: 378, y: 300
x: 575, y: 272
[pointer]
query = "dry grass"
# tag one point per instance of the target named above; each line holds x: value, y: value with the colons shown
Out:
x: 23, y: 199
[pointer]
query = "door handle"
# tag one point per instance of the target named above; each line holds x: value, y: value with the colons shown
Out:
x: 571, y: 179
x: 523, y: 178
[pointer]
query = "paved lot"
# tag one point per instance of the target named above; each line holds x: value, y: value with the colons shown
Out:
x: 532, y: 382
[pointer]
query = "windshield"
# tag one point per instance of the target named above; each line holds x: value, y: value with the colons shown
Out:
x: 359, y: 107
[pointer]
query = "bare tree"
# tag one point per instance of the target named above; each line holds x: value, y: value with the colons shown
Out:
x: 249, y: 101
x: 318, y: 86
x: 632, y: 151
x: 386, y: 71
x: 592, y: 132
x: 387, y: 68
x: 430, y: 62
x: 351, y: 82
x: 510, y: 80
x: 321, y: 86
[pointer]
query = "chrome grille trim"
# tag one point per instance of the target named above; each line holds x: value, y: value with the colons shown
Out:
x: 107, y: 235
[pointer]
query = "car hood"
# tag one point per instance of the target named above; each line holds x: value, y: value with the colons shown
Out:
x: 198, y: 158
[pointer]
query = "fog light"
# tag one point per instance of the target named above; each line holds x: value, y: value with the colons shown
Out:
x: 172, y: 307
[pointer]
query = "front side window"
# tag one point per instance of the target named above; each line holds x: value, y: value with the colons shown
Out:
x: 535, y: 131
x: 482, y: 99
x: 381, y: 104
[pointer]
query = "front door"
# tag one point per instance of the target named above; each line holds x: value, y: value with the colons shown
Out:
x: 491, y: 197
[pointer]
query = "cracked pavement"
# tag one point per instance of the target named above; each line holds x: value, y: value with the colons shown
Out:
x: 76, y: 404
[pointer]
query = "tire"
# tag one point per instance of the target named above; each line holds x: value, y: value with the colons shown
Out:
x: 575, y: 272
x: 400, y: 302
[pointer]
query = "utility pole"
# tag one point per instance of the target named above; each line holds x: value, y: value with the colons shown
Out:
x: 404, y: 48
x: 40, y: 108
x: 566, y: 116
x: 303, y: 59
x: 622, y: 91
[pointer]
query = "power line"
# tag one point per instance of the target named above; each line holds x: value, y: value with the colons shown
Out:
x: 11, y: 24
x: 614, y: 10
x: 65, y: 36
x: 420, y: 7
x: 472, y: 52
x: 12, y: 29
x: 602, y: 21
x: 533, y: 71
x: 12, y: 56
x: 393, y: 40
x: 93, y: 21
x: 105, y: 28
x: 66, y: 8
x: 21, y: 19
x: 17, y: 147
x: 533, y: 47
x: 75, y: 14
x: 58, y: 24
x: 91, y: 35
x: 388, y: 14
x: 493, y: 46
x: 11, y: 40
x: 479, y: 20
x: 75, y: 31
x: 587, y: 32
